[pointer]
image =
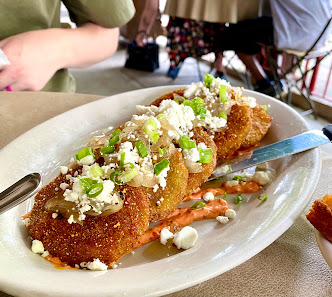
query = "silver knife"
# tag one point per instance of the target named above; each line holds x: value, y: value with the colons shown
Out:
x: 290, y: 146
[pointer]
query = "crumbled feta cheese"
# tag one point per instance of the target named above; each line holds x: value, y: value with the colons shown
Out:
x: 54, y: 215
x: 71, y: 219
x: 191, y: 155
x: 97, y: 265
x: 37, y: 247
x: 208, y: 196
x: 64, y: 186
x: 222, y: 219
x: 64, y: 169
x: 26, y: 222
x: 114, y: 266
x: 165, y: 234
x: 232, y: 183
x: 261, y: 177
x: 45, y: 254
x: 230, y: 213
x: 185, y: 238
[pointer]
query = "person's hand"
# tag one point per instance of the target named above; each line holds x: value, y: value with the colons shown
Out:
x: 34, y: 58
x: 141, y: 39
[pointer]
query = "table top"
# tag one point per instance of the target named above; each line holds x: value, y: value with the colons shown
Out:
x: 291, y: 266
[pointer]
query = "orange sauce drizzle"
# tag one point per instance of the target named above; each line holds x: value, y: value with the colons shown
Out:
x: 242, y: 187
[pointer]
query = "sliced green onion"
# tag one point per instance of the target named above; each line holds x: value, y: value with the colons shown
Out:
x: 86, y: 182
x: 223, y: 115
x: 238, y: 178
x: 224, y: 196
x: 113, y: 140
x: 202, y: 113
x: 262, y: 199
x: 161, y: 115
x: 96, y: 171
x: 198, y: 205
x: 159, y: 167
x: 238, y: 199
x: 122, y: 159
x: 229, y: 169
x: 128, y: 175
x: 150, y: 129
x: 208, y: 79
x: 264, y: 107
x: 154, y: 136
x: 222, y: 93
x: 95, y: 190
x: 196, y: 105
x: 205, y: 155
x: 116, y: 132
x: 107, y: 150
x: 114, y: 174
x: 186, y: 143
x: 163, y: 151
x: 141, y: 148
x: 87, y: 151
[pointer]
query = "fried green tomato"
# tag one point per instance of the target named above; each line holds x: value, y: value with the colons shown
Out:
x: 196, y: 179
x: 173, y: 193
x: 168, y: 96
x: 229, y: 140
x: 104, y: 238
x: 261, y: 123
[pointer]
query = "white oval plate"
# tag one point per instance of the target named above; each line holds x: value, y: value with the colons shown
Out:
x: 219, y: 247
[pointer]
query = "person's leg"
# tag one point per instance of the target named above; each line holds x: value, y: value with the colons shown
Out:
x: 220, y: 70
x: 262, y: 84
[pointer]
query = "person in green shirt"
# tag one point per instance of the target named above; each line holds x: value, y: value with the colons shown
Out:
x: 40, y: 51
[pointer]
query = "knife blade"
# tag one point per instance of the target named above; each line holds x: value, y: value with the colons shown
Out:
x: 289, y: 146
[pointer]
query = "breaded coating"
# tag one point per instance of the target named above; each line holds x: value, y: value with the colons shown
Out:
x: 104, y: 238
x: 229, y: 140
x: 168, y: 96
x: 196, y: 179
x: 320, y: 216
x: 172, y: 194
x: 261, y: 123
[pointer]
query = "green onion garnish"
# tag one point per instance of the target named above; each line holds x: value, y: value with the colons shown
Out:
x: 128, y: 175
x: 161, y: 115
x: 222, y: 93
x: 163, y: 151
x: 116, y: 132
x: 196, y: 105
x: 113, y: 140
x: 107, y: 150
x: 237, y: 177
x: 262, y: 199
x: 141, y: 148
x: 223, y: 115
x: 186, y: 143
x: 208, y: 79
x: 95, y: 190
x: 87, y: 151
x: 205, y: 155
x: 114, y: 174
x: 150, y: 129
x: 202, y: 113
x: 238, y: 199
x: 86, y: 182
x: 198, y: 205
x: 122, y: 159
x: 159, y: 167
x: 224, y: 196
x: 96, y: 171
x: 264, y: 107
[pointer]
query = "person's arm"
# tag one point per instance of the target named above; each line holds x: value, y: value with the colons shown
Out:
x: 36, y: 55
x: 146, y: 21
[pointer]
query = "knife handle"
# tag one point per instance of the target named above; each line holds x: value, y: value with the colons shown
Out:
x: 328, y: 131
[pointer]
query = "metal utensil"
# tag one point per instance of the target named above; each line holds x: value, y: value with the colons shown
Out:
x: 290, y: 146
x: 20, y: 191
